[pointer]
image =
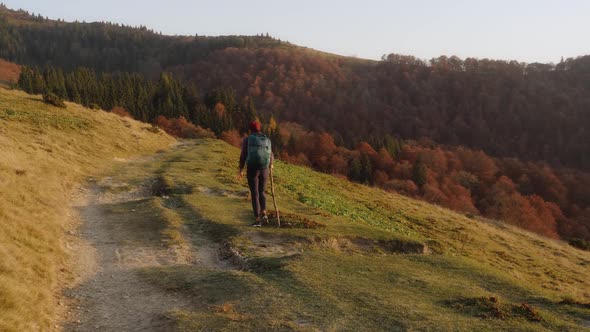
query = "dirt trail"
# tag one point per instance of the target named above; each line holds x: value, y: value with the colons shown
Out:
x: 108, y: 294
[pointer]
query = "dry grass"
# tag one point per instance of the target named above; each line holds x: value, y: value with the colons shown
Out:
x: 46, y: 153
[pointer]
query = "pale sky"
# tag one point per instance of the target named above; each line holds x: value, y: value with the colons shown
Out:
x: 523, y: 30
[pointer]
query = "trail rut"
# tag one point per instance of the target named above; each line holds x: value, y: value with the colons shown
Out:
x: 108, y: 294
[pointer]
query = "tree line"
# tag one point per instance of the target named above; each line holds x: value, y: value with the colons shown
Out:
x: 380, y: 123
x: 37, y: 41
x: 535, y: 197
x: 218, y: 110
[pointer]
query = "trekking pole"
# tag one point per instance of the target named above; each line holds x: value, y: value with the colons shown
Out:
x: 274, y: 201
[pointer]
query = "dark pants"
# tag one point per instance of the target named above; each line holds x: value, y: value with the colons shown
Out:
x: 257, y: 182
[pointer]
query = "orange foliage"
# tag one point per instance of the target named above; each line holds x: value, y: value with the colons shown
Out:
x: 478, y: 163
x: 367, y: 149
x: 461, y: 179
x: 433, y: 194
x: 9, y: 71
x: 182, y: 128
x: 407, y: 187
x: 120, y: 111
x: 380, y: 178
x: 232, y: 137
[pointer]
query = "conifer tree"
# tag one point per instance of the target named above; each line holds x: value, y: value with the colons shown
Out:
x: 366, y: 174
x: 354, y: 170
x: 25, y: 80
x: 39, y: 86
x: 419, y: 172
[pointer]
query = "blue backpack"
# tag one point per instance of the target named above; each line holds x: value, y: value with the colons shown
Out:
x: 259, y: 150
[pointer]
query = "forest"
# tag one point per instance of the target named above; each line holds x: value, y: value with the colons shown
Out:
x: 506, y: 140
x: 532, y: 112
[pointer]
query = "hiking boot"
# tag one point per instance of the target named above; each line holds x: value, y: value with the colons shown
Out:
x: 257, y: 223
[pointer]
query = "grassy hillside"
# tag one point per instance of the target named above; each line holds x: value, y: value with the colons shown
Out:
x: 350, y: 258
x: 354, y: 258
x: 46, y: 152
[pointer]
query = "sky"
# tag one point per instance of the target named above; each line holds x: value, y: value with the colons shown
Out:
x: 522, y: 30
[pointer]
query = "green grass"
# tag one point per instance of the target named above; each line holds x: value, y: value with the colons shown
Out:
x: 59, y: 120
x: 355, y: 273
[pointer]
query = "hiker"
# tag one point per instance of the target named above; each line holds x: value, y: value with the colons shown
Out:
x: 258, y: 156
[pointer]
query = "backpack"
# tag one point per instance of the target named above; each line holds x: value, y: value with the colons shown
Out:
x: 259, y: 150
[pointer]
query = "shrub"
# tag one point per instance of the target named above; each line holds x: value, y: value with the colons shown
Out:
x: 154, y: 129
x: 182, y: 128
x: 120, y: 111
x: 580, y: 244
x: 232, y: 137
x: 53, y: 99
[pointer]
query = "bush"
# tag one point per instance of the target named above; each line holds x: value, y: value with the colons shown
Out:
x: 120, y: 111
x: 232, y: 137
x: 53, y: 99
x: 154, y: 129
x: 182, y: 128
x: 580, y: 244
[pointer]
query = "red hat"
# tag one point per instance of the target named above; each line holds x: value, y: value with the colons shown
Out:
x: 255, y: 126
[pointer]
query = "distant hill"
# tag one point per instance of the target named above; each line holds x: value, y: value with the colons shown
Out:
x: 528, y: 111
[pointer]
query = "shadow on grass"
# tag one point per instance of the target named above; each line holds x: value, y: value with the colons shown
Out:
x: 216, y: 232
x: 203, y: 286
x: 130, y: 221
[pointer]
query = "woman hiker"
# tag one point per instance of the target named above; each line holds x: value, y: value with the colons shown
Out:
x: 257, y: 155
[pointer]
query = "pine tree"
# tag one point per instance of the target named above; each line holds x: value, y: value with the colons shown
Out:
x: 292, y: 145
x: 60, y: 88
x: 72, y: 88
x: 419, y: 173
x: 25, y: 80
x: 39, y: 86
x: 354, y: 170
x: 392, y: 145
x: 250, y: 115
x: 366, y: 175
x: 168, y: 100
x: 274, y: 134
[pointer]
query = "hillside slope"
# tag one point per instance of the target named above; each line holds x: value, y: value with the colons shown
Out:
x: 349, y: 257
x: 46, y: 153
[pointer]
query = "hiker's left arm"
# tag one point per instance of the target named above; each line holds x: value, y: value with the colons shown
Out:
x: 243, y: 154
